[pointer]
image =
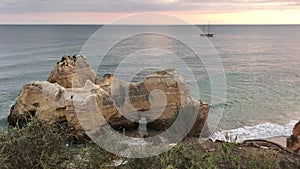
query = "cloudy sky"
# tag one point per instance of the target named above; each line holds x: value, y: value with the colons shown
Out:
x: 193, y: 11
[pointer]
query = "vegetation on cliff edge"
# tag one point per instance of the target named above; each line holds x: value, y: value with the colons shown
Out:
x: 38, y: 145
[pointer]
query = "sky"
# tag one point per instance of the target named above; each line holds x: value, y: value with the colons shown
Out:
x: 107, y: 11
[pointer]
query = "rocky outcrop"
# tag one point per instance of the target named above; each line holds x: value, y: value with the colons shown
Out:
x: 293, y: 142
x: 75, y: 96
x: 159, y: 98
x: 41, y: 99
x: 72, y: 72
x: 84, y: 109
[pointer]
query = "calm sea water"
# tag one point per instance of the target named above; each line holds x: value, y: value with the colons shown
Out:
x: 262, y: 68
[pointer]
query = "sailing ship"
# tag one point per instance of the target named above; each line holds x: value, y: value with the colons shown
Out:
x: 208, y: 34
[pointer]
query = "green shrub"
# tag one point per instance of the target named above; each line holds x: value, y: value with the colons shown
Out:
x: 38, y: 145
x: 35, y: 145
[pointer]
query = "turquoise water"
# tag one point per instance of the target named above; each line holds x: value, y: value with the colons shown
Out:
x: 261, y: 66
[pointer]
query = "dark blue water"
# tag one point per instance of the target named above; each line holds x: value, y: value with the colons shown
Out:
x: 261, y: 66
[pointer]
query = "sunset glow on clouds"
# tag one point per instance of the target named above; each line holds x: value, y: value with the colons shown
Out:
x: 194, y: 11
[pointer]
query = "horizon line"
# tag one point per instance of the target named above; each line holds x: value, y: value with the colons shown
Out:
x: 102, y: 24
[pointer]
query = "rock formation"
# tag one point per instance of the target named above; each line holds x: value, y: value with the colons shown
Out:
x: 73, y: 94
x: 72, y: 72
x: 79, y: 107
x: 159, y: 98
x: 41, y: 99
x: 293, y: 142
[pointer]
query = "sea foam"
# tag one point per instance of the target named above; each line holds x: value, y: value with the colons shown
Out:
x: 260, y: 131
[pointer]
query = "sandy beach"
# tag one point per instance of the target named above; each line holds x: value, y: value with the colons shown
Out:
x: 278, y: 140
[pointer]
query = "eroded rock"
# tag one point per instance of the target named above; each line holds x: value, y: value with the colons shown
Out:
x: 41, y: 99
x: 159, y: 98
x: 85, y: 109
x: 293, y: 142
x: 74, y: 95
x: 72, y: 72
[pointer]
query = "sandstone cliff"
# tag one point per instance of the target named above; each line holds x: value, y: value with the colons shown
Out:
x: 72, y: 72
x: 74, y: 95
x: 293, y: 142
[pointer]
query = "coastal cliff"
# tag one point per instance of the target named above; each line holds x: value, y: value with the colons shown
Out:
x: 293, y: 142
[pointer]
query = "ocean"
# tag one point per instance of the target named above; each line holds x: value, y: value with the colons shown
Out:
x: 261, y: 66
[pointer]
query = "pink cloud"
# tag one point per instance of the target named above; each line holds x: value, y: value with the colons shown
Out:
x: 98, y: 12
